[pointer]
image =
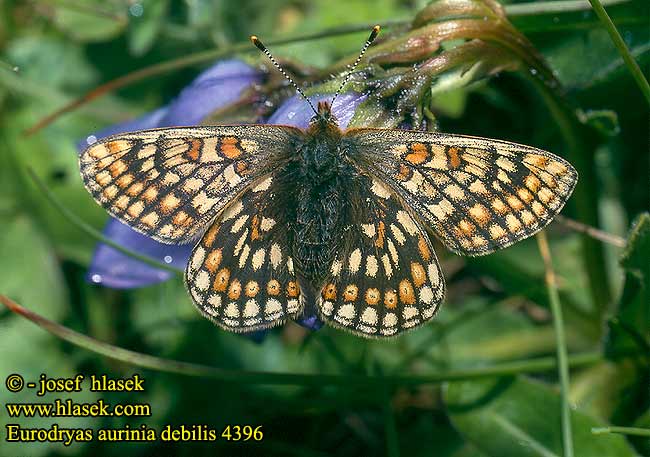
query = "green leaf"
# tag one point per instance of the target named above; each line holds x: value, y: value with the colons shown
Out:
x: 144, y: 29
x: 630, y: 328
x: 91, y: 21
x: 520, y: 417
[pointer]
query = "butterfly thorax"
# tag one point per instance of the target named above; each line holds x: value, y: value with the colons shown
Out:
x: 321, y: 203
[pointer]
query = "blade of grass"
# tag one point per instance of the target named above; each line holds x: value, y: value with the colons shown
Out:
x: 563, y: 366
x: 83, y: 226
x: 390, y: 427
x: 636, y: 431
x: 634, y: 68
x: 537, y: 365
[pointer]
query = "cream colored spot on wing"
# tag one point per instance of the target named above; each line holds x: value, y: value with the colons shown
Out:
x: 496, y: 231
x: 478, y: 187
x: 198, y: 257
x: 276, y: 255
x: 232, y: 310
x: 371, y: 266
x: 202, y: 203
x: 393, y: 252
x: 528, y: 217
x: 499, y: 206
x: 202, y: 280
x: 272, y: 307
x: 169, y: 203
x: 426, y: 295
x: 347, y: 312
x: 388, y: 268
x: 290, y: 265
x: 406, y: 221
x: 336, y: 268
x: 103, y: 178
x: 539, y: 209
x: 556, y: 168
x: 249, y: 146
x: 122, y: 202
x: 150, y: 219
x: 478, y: 241
x: 150, y: 194
x: 264, y: 185
x: 369, y: 230
x: 506, y: 164
x: 240, y: 242
x: 369, y: 316
x: 233, y: 210
x: 454, y: 192
x: 232, y: 178
x: 398, y: 234
x: 479, y: 214
x: 409, y: 312
x: 170, y: 178
x: 390, y: 320
x: 434, y: 273
x: 239, y: 223
x: 192, y: 185
x: 267, y: 224
x: 503, y: 177
x: 110, y: 192
x: 135, y: 209
x: 379, y: 189
x: 245, y: 252
x: 513, y: 223
x: 251, y: 308
x: 258, y: 259
x: 545, y: 195
x: 354, y: 262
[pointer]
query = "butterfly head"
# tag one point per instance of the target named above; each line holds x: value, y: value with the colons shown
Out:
x: 324, y: 116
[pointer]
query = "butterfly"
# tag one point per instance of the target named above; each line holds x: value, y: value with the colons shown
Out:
x: 285, y: 218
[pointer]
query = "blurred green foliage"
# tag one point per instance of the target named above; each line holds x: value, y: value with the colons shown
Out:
x: 496, y: 308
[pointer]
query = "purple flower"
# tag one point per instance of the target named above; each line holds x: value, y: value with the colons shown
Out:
x: 215, y: 88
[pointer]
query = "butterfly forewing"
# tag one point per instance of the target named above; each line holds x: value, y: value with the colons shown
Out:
x: 170, y: 183
x: 241, y: 273
x: 477, y: 195
x: 386, y: 278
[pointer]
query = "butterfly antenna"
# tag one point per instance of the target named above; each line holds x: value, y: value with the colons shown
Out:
x: 371, y: 38
x: 256, y: 41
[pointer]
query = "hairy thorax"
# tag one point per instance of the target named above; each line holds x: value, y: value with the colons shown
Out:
x: 321, y: 207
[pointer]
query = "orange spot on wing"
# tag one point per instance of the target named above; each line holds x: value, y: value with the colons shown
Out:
x: 182, y: 219
x: 390, y: 299
x: 350, y: 293
x: 273, y: 287
x: 221, y: 280
x: 210, y: 235
x: 255, y: 228
x: 212, y: 260
x: 293, y: 289
x: 372, y: 296
x: 252, y: 288
x: 423, y: 247
x: 194, y: 152
x: 229, y: 148
x: 453, y: 153
x: 418, y: 274
x: 329, y: 292
x: 406, y: 292
x: 419, y: 154
x: 381, y: 235
x: 235, y: 289
x: 405, y: 173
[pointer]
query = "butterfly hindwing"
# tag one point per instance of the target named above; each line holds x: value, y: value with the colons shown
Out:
x: 240, y: 275
x: 170, y: 183
x: 477, y: 195
x: 386, y: 278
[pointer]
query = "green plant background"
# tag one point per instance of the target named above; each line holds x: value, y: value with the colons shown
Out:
x: 480, y: 380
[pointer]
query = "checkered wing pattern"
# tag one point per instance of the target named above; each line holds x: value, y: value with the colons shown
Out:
x: 477, y: 195
x: 170, y: 183
x: 240, y: 275
x: 386, y: 278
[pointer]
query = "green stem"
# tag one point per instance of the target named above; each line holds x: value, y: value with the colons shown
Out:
x: 636, y: 431
x: 538, y: 365
x: 558, y: 322
x: 83, y: 226
x: 568, y: 6
x: 390, y: 427
x: 580, y: 151
x: 637, y: 74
